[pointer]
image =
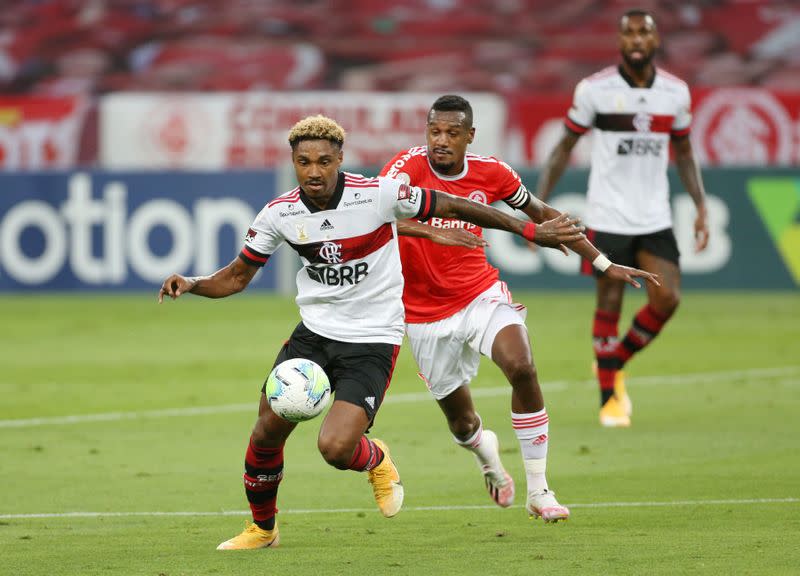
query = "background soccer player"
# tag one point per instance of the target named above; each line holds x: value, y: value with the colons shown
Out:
x: 349, y: 292
x: 636, y: 110
x: 457, y: 308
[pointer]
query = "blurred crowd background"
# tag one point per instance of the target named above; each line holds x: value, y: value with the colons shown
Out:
x: 60, y: 47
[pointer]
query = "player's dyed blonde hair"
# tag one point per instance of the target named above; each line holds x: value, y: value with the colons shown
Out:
x: 316, y: 128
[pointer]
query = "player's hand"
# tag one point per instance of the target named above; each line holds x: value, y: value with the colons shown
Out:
x: 456, y: 237
x: 174, y: 287
x: 700, y: 232
x: 626, y: 274
x: 560, y: 230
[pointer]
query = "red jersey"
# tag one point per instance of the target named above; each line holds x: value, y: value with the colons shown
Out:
x: 441, y: 280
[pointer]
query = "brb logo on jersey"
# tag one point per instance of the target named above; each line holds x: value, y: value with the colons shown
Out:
x: 330, y: 275
x: 331, y: 252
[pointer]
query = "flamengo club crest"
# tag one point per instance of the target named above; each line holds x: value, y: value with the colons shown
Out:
x: 331, y: 252
x: 642, y: 121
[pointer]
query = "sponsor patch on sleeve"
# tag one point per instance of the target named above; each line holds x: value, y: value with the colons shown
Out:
x: 250, y: 236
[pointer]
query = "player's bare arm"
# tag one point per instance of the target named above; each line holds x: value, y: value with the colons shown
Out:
x: 229, y: 280
x: 555, y: 165
x: 444, y: 236
x: 689, y: 172
x: 551, y: 233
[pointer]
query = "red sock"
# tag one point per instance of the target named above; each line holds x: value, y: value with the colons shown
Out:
x: 646, y: 326
x: 366, y: 456
x: 263, y: 473
x: 604, y: 338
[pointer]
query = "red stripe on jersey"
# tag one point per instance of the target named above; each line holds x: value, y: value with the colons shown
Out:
x: 574, y: 126
x: 682, y: 132
x: 293, y: 196
x: 353, y: 248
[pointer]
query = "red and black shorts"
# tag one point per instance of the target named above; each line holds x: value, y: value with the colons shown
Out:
x: 359, y: 372
x: 622, y: 249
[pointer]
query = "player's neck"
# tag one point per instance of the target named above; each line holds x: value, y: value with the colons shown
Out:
x: 456, y: 170
x: 640, y: 77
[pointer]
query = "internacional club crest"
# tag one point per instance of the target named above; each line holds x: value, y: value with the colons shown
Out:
x: 331, y: 252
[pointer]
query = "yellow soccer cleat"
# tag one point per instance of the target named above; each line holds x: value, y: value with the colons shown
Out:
x: 253, y: 537
x: 612, y: 414
x: 386, y: 485
x: 622, y: 394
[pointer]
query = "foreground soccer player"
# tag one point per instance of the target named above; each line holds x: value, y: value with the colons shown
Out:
x: 457, y: 308
x: 349, y: 292
x: 636, y: 110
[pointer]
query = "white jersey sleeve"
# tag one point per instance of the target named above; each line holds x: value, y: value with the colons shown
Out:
x: 261, y: 240
x: 683, y: 114
x: 580, y: 116
x: 399, y: 201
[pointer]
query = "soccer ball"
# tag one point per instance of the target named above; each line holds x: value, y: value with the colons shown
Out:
x: 298, y: 389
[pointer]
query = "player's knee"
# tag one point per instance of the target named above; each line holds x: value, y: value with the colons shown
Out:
x: 667, y: 303
x: 464, y: 425
x: 520, y: 372
x: 335, y: 452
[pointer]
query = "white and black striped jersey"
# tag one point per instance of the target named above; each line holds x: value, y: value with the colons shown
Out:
x: 351, y: 284
x: 628, y: 188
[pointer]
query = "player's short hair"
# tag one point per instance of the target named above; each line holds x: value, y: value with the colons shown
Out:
x: 636, y: 12
x: 317, y: 127
x: 454, y: 103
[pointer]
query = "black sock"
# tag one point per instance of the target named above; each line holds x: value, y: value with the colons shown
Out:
x: 268, y: 524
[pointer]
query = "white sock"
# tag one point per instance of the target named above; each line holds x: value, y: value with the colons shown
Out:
x: 482, y: 452
x: 532, y: 432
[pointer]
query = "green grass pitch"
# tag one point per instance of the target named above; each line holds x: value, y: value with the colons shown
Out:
x: 123, y: 426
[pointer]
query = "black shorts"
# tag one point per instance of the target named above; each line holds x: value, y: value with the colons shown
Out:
x: 359, y: 372
x: 622, y: 249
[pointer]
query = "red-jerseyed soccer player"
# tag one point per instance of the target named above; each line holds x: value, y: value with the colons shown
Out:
x: 457, y: 308
x: 349, y: 291
x: 635, y: 111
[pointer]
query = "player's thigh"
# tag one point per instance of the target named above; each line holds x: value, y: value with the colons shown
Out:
x: 505, y: 335
x: 342, y: 428
x: 360, y: 373
x: 444, y: 359
x: 658, y: 253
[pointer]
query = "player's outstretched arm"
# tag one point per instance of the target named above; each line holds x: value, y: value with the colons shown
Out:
x: 226, y: 281
x: 444, y: 236
x: 560, y: 230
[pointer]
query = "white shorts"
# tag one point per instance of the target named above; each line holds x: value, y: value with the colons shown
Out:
x: 448, y: 351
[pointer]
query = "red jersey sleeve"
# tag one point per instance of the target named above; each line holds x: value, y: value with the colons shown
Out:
x: 511, y: 189
x: 408, y: 162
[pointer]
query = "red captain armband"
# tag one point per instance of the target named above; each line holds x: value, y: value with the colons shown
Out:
x: 529, y: 232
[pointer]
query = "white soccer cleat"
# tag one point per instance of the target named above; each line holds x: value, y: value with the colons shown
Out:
x: 543, y: 504
x: 499, y: 483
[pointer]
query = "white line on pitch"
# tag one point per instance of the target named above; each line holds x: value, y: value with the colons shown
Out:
x: 663, y: 504
x: 553, y: 386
